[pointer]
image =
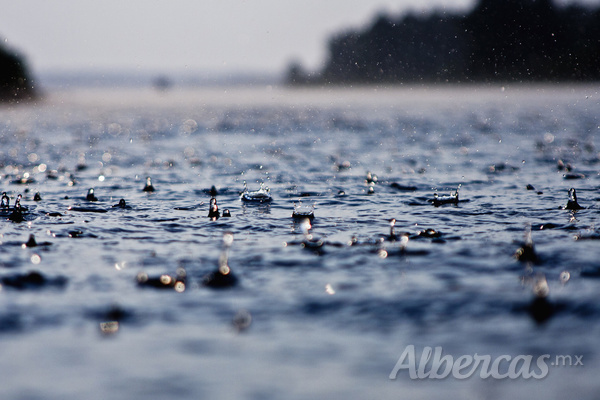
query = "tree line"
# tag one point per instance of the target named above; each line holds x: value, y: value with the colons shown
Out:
x: 15, y: 82
x: 497, y: 41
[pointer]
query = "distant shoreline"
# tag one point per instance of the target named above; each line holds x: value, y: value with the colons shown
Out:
x: 16, y: 84
x: 139, y: 79
x: 342, y: 98
x: 496, y: 42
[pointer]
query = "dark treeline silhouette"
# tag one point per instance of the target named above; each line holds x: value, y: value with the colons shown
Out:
x: 509, y: 40
x: 15, y: 82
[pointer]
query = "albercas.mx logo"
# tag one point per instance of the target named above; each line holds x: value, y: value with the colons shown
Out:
x: 432, y: 364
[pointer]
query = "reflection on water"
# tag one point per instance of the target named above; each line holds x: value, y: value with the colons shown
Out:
x: 327, y: 314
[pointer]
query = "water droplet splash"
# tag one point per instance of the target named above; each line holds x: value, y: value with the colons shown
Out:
x: 148, y: 187
x: 526, y: 253
x: 5, y: 203
x: 262, y: 195
x: 302, y: 211
x: 222, y: 277
x: 572, y: 204
x: 91, y: 196
x: 452, y: 198
x: 213, y: 211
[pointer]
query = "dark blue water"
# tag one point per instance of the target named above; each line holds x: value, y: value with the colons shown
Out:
x: 326, y: 317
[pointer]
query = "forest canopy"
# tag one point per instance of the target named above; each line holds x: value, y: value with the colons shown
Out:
x: 497, y: 41
x: 15, y: 82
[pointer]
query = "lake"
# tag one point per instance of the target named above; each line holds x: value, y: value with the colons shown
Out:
x: 320, y: 309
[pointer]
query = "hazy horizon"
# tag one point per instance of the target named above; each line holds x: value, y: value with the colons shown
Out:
x: 211, y: 37
x: 165, y: 36
x: 208, y: 41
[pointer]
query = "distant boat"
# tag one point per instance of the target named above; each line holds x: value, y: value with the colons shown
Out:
x: 162, y: 83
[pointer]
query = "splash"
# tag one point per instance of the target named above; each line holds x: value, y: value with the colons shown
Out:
x: 262, y: 195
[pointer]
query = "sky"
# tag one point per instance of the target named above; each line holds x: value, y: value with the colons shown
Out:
x: 178, y: 35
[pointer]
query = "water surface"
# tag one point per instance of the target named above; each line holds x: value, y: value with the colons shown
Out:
x: 329, y: 322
